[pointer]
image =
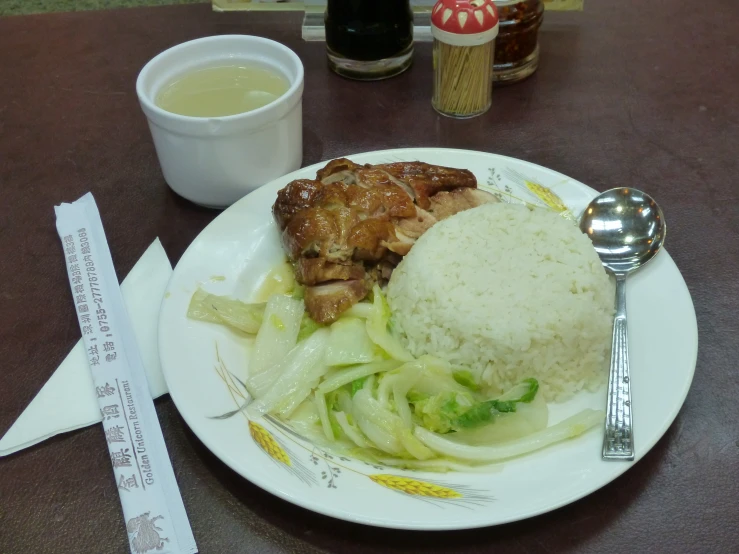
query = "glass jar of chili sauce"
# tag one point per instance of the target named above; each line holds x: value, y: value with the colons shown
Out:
x: 517, y: 45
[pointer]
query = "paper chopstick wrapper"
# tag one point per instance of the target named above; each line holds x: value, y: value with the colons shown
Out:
x: 155, y: 516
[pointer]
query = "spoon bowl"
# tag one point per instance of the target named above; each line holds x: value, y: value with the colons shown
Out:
x: 627, y: 229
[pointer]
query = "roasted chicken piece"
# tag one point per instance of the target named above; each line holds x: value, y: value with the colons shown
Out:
x: 426, y: 180
x: 312, y: 271
x: 447, y: 203
x: 327, y: 301
x: 350, y: 227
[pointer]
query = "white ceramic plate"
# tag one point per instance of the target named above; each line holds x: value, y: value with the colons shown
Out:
x: 234, y: 253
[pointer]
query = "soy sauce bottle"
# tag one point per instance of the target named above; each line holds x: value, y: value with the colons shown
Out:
x: 369, y: 39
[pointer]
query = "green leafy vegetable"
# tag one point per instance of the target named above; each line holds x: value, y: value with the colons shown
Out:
x: 349, y: 343
x: 294, y: 378
x: 228, y: 311
x: 357, y: 385
x: 465, y: 378
x: 453, y: 411
x: 528, y: 418
x: 332, y: 401
x: 276, y: 339
x: 352, y: 373
x: 525, y: 391
x: 307, y: 327
x: 483, y: 413
x: 415, y: 397
x: 569, y: 428
x: 362, y: 310
x: 440, y: 412
x: 354, y: 385
x: 354, y: 434
x: 320, y: 401
x: 281, y: 280
x: 275, y: 320
x: 377, y: 328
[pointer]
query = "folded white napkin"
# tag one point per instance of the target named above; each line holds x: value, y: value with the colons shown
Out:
x: 68, y: 400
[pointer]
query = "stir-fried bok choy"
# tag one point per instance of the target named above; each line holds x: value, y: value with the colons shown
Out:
x: 353, y: 385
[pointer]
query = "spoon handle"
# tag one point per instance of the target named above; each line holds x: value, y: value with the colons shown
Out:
x: 618, y: 442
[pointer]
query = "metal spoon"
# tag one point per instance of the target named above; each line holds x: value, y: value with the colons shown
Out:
x: 627, y: 229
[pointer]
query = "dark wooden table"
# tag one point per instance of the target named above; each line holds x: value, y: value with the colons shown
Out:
x: 628, y: 93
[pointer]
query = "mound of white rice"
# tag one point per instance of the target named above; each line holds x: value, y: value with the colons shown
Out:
x: 509, y: 292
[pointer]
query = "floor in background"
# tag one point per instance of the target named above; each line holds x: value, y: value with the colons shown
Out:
x: 21, y: 7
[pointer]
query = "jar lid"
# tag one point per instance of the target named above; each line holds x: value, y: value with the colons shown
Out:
x: 464, y: 22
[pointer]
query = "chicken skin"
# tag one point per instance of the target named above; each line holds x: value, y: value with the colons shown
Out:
x: 349, y: 227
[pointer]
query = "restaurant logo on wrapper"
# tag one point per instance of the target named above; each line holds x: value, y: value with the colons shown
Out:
x: 144, y: 534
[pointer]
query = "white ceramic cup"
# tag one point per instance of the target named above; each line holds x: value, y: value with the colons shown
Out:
x: 214, y: 161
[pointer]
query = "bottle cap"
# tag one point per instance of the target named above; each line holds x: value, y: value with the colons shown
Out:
x: 464, y: 22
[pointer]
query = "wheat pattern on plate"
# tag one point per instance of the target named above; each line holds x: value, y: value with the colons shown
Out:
x: 267, y: 443
x: 278, y: 451
x: 414, y: 487
x: 526, y: 186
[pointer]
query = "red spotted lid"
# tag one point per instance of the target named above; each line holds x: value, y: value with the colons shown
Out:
x: 464, y: 22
